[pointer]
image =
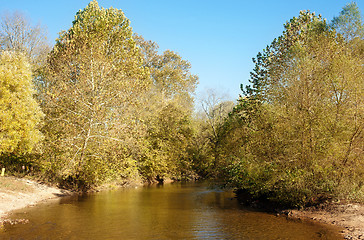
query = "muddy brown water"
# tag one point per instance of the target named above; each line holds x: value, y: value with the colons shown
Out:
x: 170, y: 211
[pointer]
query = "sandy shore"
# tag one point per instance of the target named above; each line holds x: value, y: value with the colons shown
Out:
x: 17, y: 193
x: 349, y: 216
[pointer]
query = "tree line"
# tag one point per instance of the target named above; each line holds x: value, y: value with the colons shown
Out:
x: 299, y: 124
x: 103, y: 105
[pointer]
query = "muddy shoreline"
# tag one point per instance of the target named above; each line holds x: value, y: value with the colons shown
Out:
x: 349, y: 216
x: 345, y: 215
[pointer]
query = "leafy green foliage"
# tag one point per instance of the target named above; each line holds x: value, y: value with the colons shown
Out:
x: 116, y: 109
x: 302, y: 119
x: 169, y: 138
x: 349, y: 23
x: 166, y: 115
x: 170, y: 73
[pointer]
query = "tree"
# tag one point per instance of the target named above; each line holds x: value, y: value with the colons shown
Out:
x: 170, y: 73
x: 302, y: 117
x: 20, y: 114
x: 94, y: 81
x: 169, y: 137
x: 216, y: 111
x: 17, y: 34
x: 168, y: 106
x: 349, y: 23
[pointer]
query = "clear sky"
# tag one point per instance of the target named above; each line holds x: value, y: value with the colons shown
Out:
x: 219, y: 38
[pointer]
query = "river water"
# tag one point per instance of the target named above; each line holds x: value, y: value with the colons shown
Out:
x: 170, y: 211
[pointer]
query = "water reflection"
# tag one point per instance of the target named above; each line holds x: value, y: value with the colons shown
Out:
x: 172, y: 211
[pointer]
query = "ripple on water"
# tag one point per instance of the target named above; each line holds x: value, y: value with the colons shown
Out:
x: 175, y: 211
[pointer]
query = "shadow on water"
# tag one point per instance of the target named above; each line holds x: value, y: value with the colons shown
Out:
x: 170, y: 211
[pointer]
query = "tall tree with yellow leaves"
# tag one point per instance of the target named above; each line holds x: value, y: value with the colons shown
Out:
x: 95, y: 77
x: 20, y: 114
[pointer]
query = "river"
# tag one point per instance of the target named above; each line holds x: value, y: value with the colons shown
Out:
x: 170, y: 211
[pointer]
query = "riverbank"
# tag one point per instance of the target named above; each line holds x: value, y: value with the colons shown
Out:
x: 346, y: 215
x: 349, y: 216
x: 17, y: 193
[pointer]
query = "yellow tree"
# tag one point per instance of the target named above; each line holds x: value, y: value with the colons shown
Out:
x: 20, y: 114
x: 95, y: 78
x: 168, y: 105
x: 170, y: 73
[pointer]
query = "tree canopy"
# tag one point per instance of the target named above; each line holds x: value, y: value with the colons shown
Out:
x: 116, y: 109
x: 349, y: 23
x: 302, y: 117
x: 95, y: 77
x: 17, y: 34
x: 20, y: 114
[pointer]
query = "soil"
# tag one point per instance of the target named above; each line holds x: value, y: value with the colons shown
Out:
x: 17, y: 193
x: 349, y: 216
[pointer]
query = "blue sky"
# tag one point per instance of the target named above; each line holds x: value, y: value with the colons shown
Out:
x: 219, y: 38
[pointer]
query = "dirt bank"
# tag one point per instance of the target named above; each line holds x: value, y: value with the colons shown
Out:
x: 349, y: 216
x: 17, y: 193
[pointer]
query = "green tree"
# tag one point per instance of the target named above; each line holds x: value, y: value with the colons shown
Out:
x: 94, y: 81
x: 215, y: 113
x: 302, y: 117
x: 20, y: 114
x: 169, y: 140
x: 349, y: 23
x: 166, y: 114
x: 170, y: 73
